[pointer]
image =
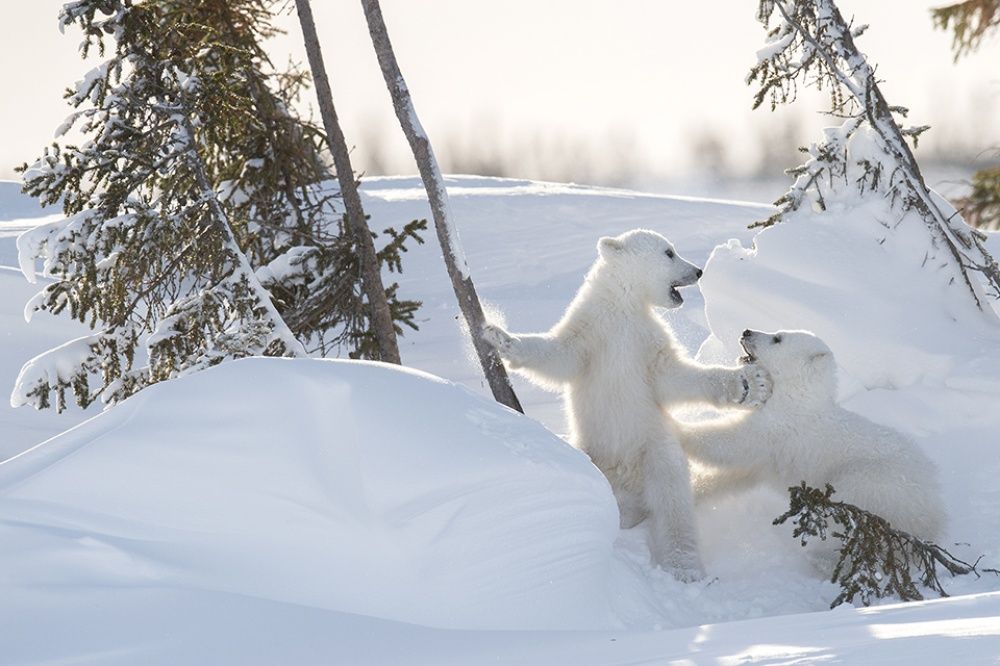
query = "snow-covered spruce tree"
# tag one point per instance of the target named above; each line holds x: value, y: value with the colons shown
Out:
x: 970, y: 22
x: 437, y: 196
x: 270, y: 168
x: 875, y: 560
x: 810, y: 43
x: 147, y: 252
x: 192, y: 172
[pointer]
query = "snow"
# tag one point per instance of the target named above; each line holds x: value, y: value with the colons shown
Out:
x: 286, y: 267
x: 775, y: 46
x: 291, y: 525
x: 862, y: 287
x: 478, y: 518
x: 14, y: 205
x: 20, y: 428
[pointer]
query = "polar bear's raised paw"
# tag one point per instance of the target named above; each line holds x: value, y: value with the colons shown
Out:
x: 499, y: 339
x: 757, y: 386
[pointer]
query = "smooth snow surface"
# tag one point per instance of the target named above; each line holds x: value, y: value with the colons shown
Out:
x: 298, y: 486
x: 309, y: 512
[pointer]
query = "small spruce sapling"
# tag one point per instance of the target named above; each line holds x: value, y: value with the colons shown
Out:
x: 148, y: 255
x: 875, y: 560
x: 810, y: 44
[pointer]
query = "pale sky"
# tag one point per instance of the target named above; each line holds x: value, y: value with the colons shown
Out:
x: 597, y: 83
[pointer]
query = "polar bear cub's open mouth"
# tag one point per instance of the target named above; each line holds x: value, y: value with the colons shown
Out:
x: 675, y: 293
x: 751, y: 341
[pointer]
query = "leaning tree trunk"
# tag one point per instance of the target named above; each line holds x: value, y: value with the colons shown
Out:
x: 966, y: 246
x: 454, y: 257
x: 371, y: 278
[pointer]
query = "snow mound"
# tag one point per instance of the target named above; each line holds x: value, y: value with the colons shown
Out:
x: 867, y: 283
x: 345, y: 486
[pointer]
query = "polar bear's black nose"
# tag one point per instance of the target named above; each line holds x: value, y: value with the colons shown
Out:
x: 746, y: 333
x: 699, y: 273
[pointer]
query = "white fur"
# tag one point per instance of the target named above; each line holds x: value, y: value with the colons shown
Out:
x: 801, y: 434
x: 619, y: 368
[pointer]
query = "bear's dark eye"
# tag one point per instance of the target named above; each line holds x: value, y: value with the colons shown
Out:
x: 670, y: 253
x: 777, y: 339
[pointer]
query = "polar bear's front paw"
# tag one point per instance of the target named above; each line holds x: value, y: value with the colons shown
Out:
x: 756, y: 386
x: 499, y: 339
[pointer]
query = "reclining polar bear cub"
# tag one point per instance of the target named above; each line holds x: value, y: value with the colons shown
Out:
x: 801, y: 434
x: 619, y: 367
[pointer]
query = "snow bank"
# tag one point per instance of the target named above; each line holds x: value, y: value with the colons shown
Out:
x: 346, y: 486
x: 863, y: 281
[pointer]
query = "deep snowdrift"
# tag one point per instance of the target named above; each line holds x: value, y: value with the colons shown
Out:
x: 349, y: 486
x: 163, y: 532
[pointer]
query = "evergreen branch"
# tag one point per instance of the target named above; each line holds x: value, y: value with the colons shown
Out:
x: 970, y: 22
x: 821, y: 32
x: 193, y: 176
x: 875, y: 560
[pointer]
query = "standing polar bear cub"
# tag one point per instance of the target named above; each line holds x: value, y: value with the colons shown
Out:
x: 801, y: 434
x: 619, y: 368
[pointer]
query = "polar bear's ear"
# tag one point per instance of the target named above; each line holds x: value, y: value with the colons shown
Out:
x: 608, y: 246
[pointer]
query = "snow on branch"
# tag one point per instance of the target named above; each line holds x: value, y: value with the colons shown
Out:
x: 811, y: 44
x: 148, y: 255
x: 71, y: 367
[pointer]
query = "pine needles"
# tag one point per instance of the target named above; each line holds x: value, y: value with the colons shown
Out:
x: 875, y: 559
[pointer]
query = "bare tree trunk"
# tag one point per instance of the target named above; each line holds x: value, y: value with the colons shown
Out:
x: 454, y: 257
x: 371, y: 278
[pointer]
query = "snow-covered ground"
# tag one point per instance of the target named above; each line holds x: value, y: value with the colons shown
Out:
x: 333, y: 512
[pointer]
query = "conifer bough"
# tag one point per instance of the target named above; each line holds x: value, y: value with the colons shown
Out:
x: 813, y: 44
x: 970, y: 22
x: 875, y: 560
x: 198, y: 228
